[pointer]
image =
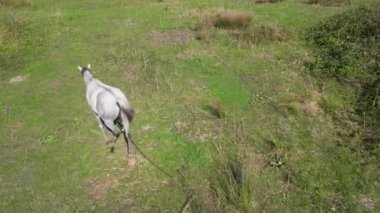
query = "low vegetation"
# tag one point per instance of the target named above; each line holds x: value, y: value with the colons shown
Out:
x: 347, y: 47
x: 347, y: 54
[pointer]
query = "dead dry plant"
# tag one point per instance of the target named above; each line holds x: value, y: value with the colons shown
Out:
x: 204, y: 26
x: 233, y: 20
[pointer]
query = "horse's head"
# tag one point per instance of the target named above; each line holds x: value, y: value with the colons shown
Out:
x: 84, y: 69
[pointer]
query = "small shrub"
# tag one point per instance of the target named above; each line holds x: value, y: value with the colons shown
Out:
x: 346, y: 40
x: 347, y: 47
x: 233, y: 20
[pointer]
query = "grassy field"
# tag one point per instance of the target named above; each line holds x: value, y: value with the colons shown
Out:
x: 241, y: 126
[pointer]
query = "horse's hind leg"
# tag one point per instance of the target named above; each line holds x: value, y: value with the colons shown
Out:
x: 114, y: 130
x: 126, y: 132
x: 128, y: 140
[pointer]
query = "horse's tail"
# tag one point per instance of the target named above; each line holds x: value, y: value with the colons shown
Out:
x: 126, y: 114
x: 127, y: 110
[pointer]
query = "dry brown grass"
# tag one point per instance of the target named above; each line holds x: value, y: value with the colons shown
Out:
x: 233, y: 20
x: 268, y: 1
x: 237, y: 24
x: 262, y: 33
x: 172, y: 37
x: 308, y: 106
x: 98, y: 188
x: 328, y: 2
x: 222, y: 20
x: 204, y: 26
x: 15, y: 3
x: 216, y: 109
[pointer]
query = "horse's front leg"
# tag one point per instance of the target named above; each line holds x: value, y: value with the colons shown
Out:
x: 101, y: 126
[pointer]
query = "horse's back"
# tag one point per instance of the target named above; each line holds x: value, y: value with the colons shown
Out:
x: 104, y: 99
x: 106, y: 105
x: 119, y: 95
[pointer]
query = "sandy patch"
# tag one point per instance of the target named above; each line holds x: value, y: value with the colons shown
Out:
x: 173, y: 37
x: 367, y: 202
x: 17, y: 79
x: 97, y: 188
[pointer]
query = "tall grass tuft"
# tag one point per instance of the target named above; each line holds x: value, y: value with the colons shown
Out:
x: 222, y: 20
x: 230, y: 182
x: 233, y: 20
x: 229, y: 185
x: 204, y: 26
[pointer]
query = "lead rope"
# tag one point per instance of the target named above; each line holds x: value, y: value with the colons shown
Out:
x: 142, y: 153
x: 151, y: 161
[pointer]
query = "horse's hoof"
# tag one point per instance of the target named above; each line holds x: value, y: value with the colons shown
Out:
x: 132, y: 162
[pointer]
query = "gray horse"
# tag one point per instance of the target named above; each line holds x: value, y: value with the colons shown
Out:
x: 110, y: 106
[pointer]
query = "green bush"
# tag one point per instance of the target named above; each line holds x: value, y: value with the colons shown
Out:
x: 346, y: 40
x: 347, y: 48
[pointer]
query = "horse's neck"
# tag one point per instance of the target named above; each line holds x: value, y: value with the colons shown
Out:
x: 94, y: 84
x: 88, y: 77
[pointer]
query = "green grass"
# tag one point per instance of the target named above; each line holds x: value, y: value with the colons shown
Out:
x: 53, y: 156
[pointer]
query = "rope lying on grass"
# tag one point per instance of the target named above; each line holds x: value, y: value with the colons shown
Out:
x: 151, y: 161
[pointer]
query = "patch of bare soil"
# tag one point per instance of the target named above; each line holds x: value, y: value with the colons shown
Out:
x: 17, y: 79
x: 97, y: 188
x: 254, y: 164
x: 307, y: 106
x: 173, y: 37
x: 367, y: 202
x: 133, y: 161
